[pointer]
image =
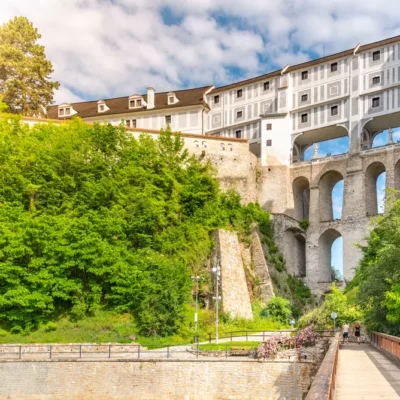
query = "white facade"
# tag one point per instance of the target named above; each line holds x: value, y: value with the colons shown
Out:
x: 319, y: 100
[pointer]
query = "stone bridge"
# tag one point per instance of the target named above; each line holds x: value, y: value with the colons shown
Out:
x: 303, y: 191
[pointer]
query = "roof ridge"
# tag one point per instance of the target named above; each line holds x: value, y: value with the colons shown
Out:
x: 127, y: 96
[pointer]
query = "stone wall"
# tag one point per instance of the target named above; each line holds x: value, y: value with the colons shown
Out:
x: 261, y: 270
x: 235, y: 295
x: 137, y: 380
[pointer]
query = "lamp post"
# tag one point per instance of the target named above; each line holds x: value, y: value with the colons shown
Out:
x: 196, y: 317
x: 217, y: 271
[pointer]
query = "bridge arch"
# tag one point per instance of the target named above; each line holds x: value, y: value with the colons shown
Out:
x: 326, y: 185
x: 372, y: 174
x: 326, y: 240
x: 295, y: 252
x: 301, y: 198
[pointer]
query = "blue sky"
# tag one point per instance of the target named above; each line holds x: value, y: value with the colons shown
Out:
x: 108, y: 48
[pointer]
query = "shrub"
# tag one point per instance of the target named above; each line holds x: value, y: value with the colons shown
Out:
x: 279, y: 308
x: 50, y: 326
x: 304, y: 224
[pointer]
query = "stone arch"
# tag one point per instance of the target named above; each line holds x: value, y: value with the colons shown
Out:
x: 301, y: 198
x: 326, y: 241
x: 326, y: 184
x: 371, y: 176
x: 295, y: 252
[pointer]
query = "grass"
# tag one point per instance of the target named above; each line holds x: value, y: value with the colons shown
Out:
x: 228, y: 346
x: 111, y: 327
x: 103, y: 327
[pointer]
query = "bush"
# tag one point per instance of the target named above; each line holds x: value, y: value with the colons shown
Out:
x: 304, y: 224
x: 50, y: 326
x: 279, y: 308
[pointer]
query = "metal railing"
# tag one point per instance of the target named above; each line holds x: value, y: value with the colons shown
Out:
x: 388, y: 344
x: 136, y: 351
x: 261, y: 336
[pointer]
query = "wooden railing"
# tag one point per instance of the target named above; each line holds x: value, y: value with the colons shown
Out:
x: 387, y: 344
x: 324, y: 383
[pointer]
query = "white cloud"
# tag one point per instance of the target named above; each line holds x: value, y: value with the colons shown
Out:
x: 104, y: 48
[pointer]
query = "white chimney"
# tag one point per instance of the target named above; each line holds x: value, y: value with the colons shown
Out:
x: 150, y: 97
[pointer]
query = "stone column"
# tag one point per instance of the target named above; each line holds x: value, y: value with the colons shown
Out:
x: 390, y: 136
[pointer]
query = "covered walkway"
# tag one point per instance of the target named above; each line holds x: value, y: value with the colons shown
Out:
x: 365, y: 373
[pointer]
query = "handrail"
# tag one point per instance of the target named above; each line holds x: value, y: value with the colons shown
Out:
x: 387, y: 344
x: 324, y: 384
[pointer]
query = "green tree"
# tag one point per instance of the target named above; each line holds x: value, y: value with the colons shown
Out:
x: 91, y: 217
x: 25, y: 84
x: 378, y: 273
x: 335, y: 301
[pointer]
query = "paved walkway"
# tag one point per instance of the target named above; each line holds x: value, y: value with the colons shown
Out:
x: 366, y: 374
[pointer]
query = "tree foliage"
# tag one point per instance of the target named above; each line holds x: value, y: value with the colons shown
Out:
x: 335, y: 301
x: 279, y: 308
x: 25, y: 84
x: 91, y: 217
x: 378, y: 274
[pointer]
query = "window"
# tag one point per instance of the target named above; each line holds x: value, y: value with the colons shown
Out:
x: 134, y: 123
x: 131, y: 103
x: 304, y: 118
x: 334, y: 67
x: 376, y: 55
x: 101, y: 107
x: 138, y: 103
x: 239, y: 93
x: 238, y: 134
x: 304, y: 97
x: 266, y: 85
x: 128, y: 123
x: 376, y: 80
x: 168, y: 119
x: 61, y: 111
x: 304, y: 75
x: 269, y: 127
x: 170, y: 100
x: 269, y: 142
x: 216, y: 99
x: 334, y: 110
x: 375, y: 102
x: 67, y: 111
x: 239, y: 114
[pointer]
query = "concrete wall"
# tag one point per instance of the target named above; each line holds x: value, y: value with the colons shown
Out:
x: 130, y: 380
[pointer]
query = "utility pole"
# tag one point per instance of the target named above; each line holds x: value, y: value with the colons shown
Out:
x: 217, y: 271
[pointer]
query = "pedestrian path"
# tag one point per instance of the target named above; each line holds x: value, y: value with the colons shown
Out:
x: 363, y: 373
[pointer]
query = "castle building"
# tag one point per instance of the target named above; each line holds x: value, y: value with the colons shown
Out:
x: 353, y: 94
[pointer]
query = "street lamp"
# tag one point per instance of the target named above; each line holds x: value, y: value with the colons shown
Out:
x: 196, y: 279
x: 217, y: 271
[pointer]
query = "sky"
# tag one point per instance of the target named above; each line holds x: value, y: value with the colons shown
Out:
x: 108, y: 48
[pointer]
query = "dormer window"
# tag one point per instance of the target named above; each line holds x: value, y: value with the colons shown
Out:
x: 102, y: 106
x: 172, y: 99
x: 136, y: 101
x: 65, y: 110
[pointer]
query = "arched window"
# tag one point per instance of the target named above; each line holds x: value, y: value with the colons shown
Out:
x: 375, y: 180
x: 330, y: 196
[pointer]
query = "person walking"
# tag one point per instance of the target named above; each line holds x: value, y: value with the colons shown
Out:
x: 345, y: 332
x: 292, y: 322
x: 357, y: 332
